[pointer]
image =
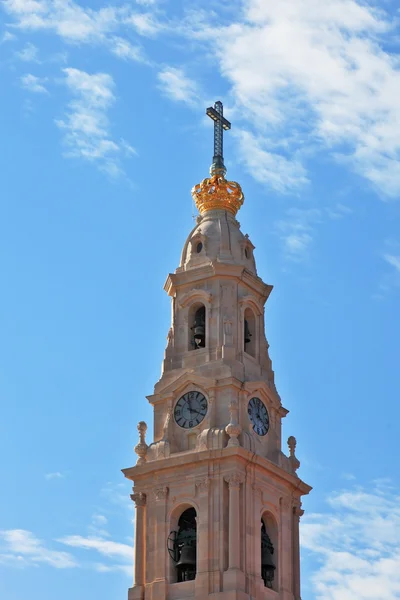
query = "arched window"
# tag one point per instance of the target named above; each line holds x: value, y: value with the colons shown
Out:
x: 197, y: 327
x: 249, y: 332
x: 185, y: 543
x: 267, y: 557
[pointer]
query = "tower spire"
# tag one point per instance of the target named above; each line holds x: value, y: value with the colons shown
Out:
x: 216, y: 113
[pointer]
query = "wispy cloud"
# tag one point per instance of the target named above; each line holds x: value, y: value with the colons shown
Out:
x: 86, y: 124
x: 356, y: 544
x: 175, y: 84
x: 34, y: 84
x: 105, y: 547
x: 76, y: 24
x: 145, y: 24
x: 55, y: 475
x: 29, y: 53
x: 267, y: 166
x: 7, y: 36
x: 309, y: 76
x: 19, y: 547
x: 393, y: 260
x: 296, y: 231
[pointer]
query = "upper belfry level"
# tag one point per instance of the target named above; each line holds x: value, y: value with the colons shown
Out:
x: 217, y: 501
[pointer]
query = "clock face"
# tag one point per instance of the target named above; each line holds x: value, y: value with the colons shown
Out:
x: 258, y: 415
x: 190, y: 410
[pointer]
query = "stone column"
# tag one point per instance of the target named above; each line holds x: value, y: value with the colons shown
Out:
x: 139, y: 499
x: 285, y: 549
x: 234, y: 577
x: 234, y: 480
x: 203, y: 490
x: 297, y: 513
x: 158, y: 586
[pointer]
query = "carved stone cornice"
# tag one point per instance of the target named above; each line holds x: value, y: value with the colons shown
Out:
x: 139, y: 498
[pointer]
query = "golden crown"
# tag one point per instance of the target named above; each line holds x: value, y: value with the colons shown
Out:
x: 216, y: 192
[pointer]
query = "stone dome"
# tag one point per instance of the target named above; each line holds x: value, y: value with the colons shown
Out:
x: 217, y: 238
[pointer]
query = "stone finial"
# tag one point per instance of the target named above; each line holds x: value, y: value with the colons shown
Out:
x: 292, y: 457
x: 233, y: 428
x: 141, y: 448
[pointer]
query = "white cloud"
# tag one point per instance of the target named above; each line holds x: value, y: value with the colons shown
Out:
x: 145, y: 24
x: 76, y: 24
x: 275, y: 170
x: 86, y: 123
x: 177, y: 86
x: 296, y: 231
x: 55, y: 475
x: 125, y: 50
x: 34, y: 84
x: 29, y: 53
x: 309, y: 75
x: 393, y: 260
x: 104, y: 547
x: 356, y: 544
x: 7, y: 37
x: 21, y: 548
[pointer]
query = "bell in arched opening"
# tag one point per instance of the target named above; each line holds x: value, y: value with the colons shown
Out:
x: 199, y: 328
x: 186, y: 541
x: 247, y: 334
x: 267, y: 563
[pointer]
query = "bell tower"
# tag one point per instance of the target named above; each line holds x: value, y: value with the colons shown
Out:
x: 218, y: 503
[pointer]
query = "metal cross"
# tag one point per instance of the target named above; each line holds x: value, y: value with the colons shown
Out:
x: 216, y: 113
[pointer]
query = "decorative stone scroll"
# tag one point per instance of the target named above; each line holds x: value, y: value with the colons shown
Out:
x: 298, y: 512
x: 203, y: 485
x: 139, y: 498
x: 234, y: 479
x: 161, y: 493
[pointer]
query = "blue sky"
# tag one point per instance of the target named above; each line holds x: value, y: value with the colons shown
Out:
x: 103, y: 135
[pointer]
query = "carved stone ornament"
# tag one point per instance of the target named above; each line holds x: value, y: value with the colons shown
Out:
x: 139, y: 498
x: 298, y: 511
x: 233, y: 428
x: 257, y: 490
x: 295, y: 463
x: 286, y: 502
x: 234, y: 479
x: 141, y: 448
x: 161, y: 493
x: 203, y: 485
x: 217, y: 193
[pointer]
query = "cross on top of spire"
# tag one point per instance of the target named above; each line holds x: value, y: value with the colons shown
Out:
x: 216, y: 113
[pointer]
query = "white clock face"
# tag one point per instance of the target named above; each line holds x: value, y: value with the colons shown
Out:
x: 258, y: 415
x: 190, y: 410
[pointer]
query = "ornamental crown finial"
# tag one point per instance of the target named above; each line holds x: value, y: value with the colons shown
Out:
x: 215, y: 193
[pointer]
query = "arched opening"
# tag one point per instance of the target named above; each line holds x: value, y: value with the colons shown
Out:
x: 182, y: 546
x: 269, y: 559
x: 197, y: 327
x: 249, y: 332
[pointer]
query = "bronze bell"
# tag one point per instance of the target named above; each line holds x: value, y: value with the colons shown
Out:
x: 267, y: 566
x: 199, y: 330
x: 187, y: 563
x: 247, y: 334
x: 266, y: 558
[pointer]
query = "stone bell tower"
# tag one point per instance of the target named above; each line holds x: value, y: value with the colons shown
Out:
x: 217, y: 501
